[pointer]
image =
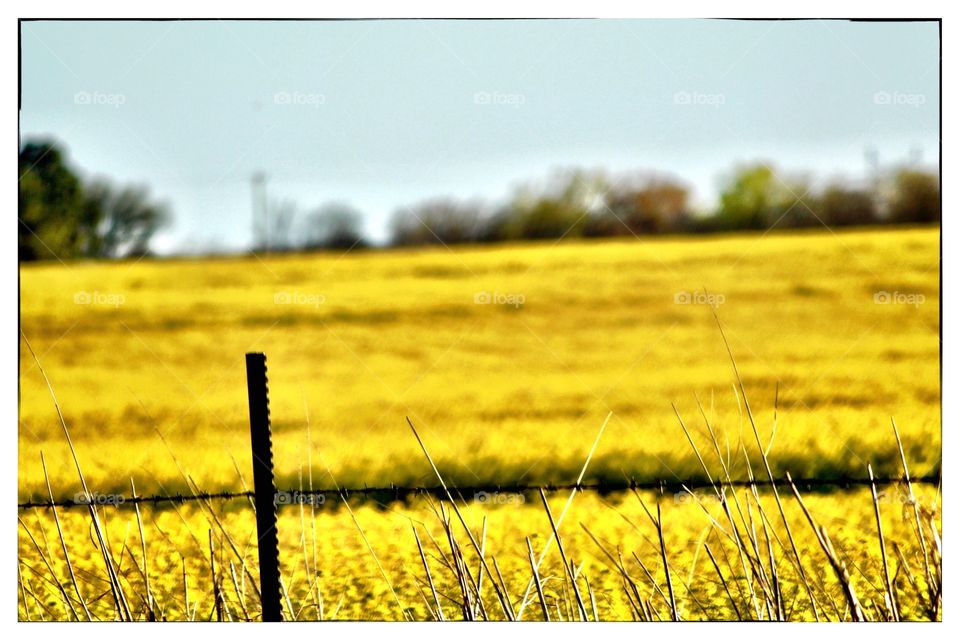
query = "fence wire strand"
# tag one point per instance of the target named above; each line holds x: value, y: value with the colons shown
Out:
x: 296, y: 496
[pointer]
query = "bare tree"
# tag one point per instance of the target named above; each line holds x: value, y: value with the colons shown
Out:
x: 442, y: 220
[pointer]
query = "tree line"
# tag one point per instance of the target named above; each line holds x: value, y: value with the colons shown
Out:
x: 591, y: 204
x: 65, y: 216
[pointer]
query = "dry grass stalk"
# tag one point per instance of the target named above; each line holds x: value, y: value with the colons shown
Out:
x: 891, y: 597
x: 536, y: 582
x: 426, y: 569
x: 507, y: 610
x: 933, y: 586
x: 563, y: 557
x: 123, y: 610
x: 766, y: 465
x: 838, y: 565
x: 63, y: 541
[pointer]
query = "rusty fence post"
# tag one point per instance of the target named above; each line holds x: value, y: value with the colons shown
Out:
x: 264, y: 489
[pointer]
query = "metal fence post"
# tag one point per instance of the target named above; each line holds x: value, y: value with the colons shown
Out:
x: 268, y: 545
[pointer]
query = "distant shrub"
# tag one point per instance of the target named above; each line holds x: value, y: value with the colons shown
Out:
x: 841, y: 206
x: 916, y: 197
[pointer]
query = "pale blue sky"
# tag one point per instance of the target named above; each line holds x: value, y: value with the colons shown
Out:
x: 388, y: 111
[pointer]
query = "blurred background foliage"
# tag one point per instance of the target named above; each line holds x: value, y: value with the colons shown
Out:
x: 64, y: 216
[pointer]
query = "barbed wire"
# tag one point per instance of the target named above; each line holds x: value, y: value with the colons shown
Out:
x: 285, y: 497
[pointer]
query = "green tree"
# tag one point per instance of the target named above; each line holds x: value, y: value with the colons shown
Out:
x: 562, y: 211
x: 53, y: 222
x: 756, y: 198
